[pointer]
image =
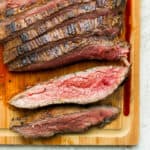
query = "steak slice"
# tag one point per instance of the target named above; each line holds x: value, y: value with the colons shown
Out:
x: 55, y: 20
x: 82, y: 87
x: 40, y: 13
x: 71, y: 51
x: 101, y: 25
x: 65, y: 120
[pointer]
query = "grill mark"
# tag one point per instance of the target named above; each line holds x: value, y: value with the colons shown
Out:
x: 50, y: 53
x: 105, y: 27
x: 30, y: 19
x: 10, y: 12
x: 50, y: 24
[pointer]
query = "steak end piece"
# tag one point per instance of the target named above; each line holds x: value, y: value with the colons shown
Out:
x: 68, y: 121
x: 83, y: 87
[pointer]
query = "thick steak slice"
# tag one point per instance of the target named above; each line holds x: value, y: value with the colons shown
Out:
x: 93, y: 48
x: 83, y: 87
x: 66, y: 121
x: 40, y: 13
x: 52, y: 22
x: 102, y: 25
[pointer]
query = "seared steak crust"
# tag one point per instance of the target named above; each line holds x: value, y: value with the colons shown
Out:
x: 52, y: 22
x: 40, y: 13
x: 70, y: 51
x: 95, y: 24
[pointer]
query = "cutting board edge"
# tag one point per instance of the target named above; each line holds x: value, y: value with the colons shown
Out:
x: 131, y: 137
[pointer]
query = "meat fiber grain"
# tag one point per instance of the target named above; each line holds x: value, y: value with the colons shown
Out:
x: 82, y: 87
x: 65, y: 120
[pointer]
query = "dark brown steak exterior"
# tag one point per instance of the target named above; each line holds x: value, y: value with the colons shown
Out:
x: 42, y: 12
x: 35, y: 15
x: 50, y: 23
x: 91, y: 24
x: 70, y: 121
x: 72, y: 51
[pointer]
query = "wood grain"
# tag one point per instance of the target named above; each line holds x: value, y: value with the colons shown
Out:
x: 123, y: 131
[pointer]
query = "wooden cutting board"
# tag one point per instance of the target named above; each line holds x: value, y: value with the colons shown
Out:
x: 123, y: 131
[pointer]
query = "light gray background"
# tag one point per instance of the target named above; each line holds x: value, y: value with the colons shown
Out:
x: 145, y: 93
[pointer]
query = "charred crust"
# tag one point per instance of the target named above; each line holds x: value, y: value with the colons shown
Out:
x: 9, y: 12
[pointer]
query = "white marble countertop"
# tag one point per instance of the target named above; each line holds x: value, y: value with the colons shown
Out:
x: 145, y: 93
